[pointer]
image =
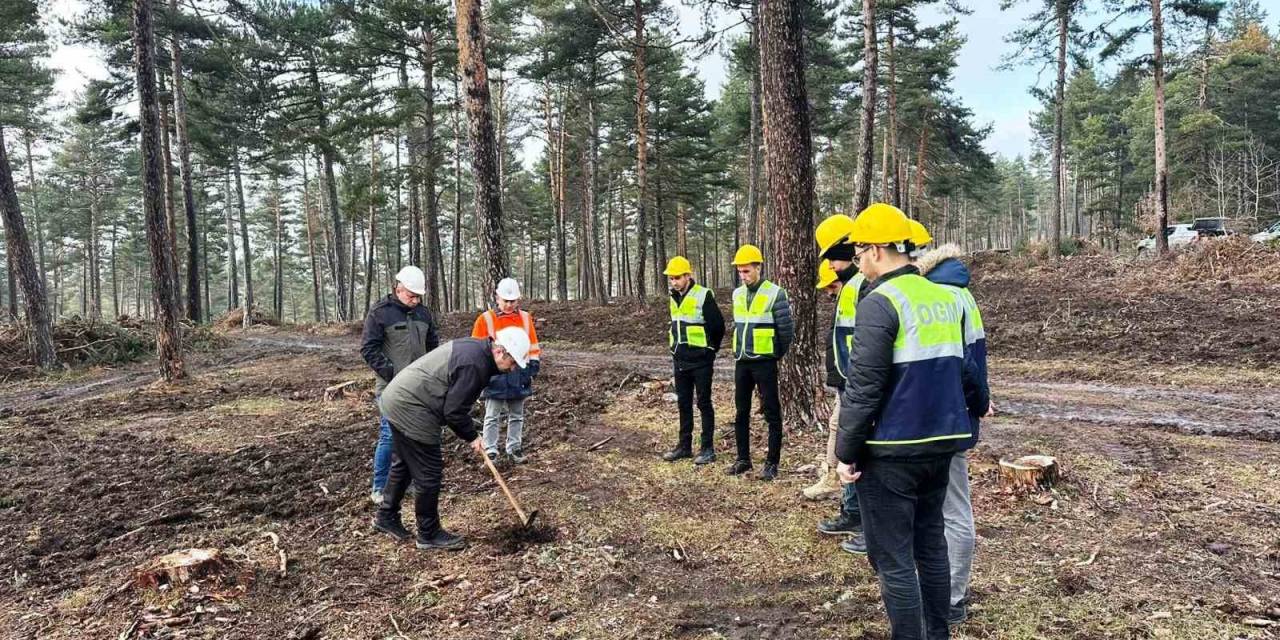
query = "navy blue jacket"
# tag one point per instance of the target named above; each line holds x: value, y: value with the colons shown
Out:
x: 948, y: 270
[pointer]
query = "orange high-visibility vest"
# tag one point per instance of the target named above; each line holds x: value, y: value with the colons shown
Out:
x: 489, y: 323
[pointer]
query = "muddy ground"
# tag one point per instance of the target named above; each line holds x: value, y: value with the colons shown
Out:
x: 1156, y: 530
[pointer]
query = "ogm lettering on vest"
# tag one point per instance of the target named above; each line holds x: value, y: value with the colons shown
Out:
x: 753, y: 330
x: 688, y: 325
x: 928, y: 354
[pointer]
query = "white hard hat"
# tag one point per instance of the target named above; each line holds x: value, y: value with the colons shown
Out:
x: 508, y: 289
x: 516, y: 342
x: 413, y: 279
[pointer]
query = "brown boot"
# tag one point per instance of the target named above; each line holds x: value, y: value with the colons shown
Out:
x: 827, y: 485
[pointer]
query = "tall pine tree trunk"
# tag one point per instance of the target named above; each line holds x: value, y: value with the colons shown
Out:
x: 867, y: 124
x: 436, y: 284
x: 789, y: 172
x: 331, y: 187
x: 415, y: 198
x: 1162, y: 167
x: 168, y: 338
x: 277, y: 258
x: 94, y: 308
x: 1058, y: 132
x: 233, y: 277
x: 170, y: 198
x: 375, y: 194
x: 753, y: 134
x: 184, y: 167
x: 244, y: 243
x: 309, y: 214
x: 21, y: 260
x: 590, y: 215
x: 484, y: 160
x: 892, y: 193
x: 28, y: 138
x: 457, y: 202
x: 642, y: 147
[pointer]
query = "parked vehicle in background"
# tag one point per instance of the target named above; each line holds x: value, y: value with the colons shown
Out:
x: 1210, y: 227
x: 1179, y: 235
x: 1267, y: 235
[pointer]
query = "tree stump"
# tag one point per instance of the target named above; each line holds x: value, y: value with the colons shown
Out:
x: 1028, y: 473
x: 180, y: 567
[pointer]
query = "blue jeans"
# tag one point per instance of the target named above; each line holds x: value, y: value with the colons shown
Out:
x: 906, y: 543
x: 382, y: 453
x: 849, y: 502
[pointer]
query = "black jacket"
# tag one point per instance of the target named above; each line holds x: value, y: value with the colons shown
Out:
x: 687, y: 357
x: 395, y: 335
x: 872, y: 378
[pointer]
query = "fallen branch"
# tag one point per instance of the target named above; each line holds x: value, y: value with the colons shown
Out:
x: 284, y: 560
x: 1093, y: 556
x: 599, y: 444
x: 338, y: 389
x: 395, y: 624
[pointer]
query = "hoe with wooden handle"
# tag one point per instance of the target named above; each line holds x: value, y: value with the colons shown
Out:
x: 525, y: 520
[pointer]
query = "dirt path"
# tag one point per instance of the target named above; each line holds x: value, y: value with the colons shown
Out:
x: 1253, y: 414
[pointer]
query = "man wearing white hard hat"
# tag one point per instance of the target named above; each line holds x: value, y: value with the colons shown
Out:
x: 397, y: 331
x: 434, y: 392
x: 507, y: 392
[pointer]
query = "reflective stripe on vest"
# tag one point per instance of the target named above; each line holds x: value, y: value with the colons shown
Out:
x: 929, y: 344
x: 929, y: 319
x: 688, y: 326
x: 753, y: 330
x: 842, y: 330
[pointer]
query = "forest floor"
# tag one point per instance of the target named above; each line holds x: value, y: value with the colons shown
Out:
x: 1162, y: 403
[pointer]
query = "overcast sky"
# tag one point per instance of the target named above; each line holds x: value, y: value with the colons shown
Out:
x: 997, y: 97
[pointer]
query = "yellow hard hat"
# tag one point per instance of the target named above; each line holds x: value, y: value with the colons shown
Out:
x: 832, y: 231
x: 747, y: 254
x: 826, y: 275
x: 678, y: 266
x: 919, y: 234
x: 880, y: 223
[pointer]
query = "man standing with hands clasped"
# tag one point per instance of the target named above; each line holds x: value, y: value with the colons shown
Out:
x: 762, y: 333
x: 904, y: 413
x: 694, y: 337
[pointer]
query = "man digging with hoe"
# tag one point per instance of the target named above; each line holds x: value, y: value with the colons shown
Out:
x: 436, y: 391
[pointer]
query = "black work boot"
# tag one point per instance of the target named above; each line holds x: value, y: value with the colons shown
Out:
x: 442, y: 540
x: 770, y: 471
x: 856, y: 544
x: 706, y: 456
x: 391, y: 526
x: 739, y: 467
x: 841, y: 525
x: 679, y: 453
x: 958, y: 613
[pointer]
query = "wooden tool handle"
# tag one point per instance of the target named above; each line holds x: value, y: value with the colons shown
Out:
x: 497, y: 476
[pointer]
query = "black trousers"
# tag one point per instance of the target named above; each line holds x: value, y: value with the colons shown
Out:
x: 901, y: 505
x: 687, y: 382
x: 422, y: 464
x: 749, y: 375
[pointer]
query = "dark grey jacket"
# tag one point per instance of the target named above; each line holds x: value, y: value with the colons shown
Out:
x: 394, y: 336
x: 439, y: 389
